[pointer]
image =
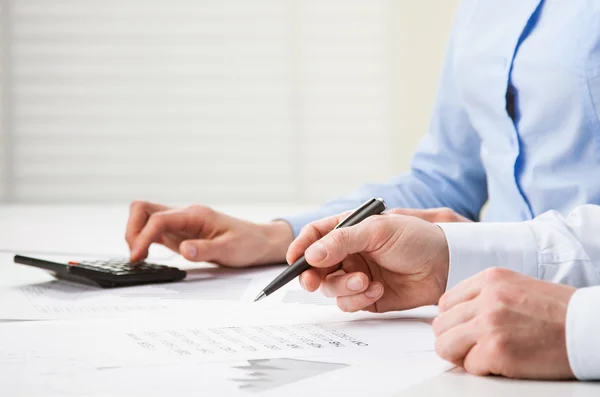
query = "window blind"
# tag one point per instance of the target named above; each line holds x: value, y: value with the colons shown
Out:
x: 163, y: 100
x: 195, y: 100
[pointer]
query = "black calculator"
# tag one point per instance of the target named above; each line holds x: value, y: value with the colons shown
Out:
x: 107, y: 273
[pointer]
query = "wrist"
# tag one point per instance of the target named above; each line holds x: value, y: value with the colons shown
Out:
x: 277, y: 237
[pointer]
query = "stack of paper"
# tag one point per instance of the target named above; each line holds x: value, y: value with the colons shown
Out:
x: 202, y: 336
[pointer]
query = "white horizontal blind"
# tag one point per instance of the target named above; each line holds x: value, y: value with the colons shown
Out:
x: 189, y: 100
x: 346, y: 85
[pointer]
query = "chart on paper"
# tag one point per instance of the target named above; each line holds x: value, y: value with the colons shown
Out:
x: 255, y: 355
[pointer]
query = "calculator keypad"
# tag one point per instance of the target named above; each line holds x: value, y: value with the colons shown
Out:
x: 121, y: 267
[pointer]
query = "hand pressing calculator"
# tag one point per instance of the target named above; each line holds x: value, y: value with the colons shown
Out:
x: 107, y: 273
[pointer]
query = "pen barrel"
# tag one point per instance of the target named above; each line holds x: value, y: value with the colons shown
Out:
x: 371, y: 207
x: 285, y: 277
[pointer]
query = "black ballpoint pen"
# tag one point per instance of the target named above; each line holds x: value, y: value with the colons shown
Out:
x: 372, y: 207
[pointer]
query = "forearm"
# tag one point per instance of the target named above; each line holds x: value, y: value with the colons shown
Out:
x: 411, y: 190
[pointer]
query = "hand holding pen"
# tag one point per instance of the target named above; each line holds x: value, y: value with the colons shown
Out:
x: 386, y: 262
x: 372, y: 207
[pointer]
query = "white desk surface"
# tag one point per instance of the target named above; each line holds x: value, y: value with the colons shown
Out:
x: 96, y: 230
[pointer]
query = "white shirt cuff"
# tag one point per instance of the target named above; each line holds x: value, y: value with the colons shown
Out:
x: 474, y: 247
x: 583, y: 333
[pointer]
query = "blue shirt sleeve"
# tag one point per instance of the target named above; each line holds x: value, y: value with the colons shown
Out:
x: 446, y: 170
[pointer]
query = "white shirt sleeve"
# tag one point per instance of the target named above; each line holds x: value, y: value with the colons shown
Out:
x: 583, y: 333
x: 550, y: 247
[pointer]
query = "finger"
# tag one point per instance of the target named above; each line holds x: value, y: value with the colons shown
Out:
x: 158, y: 223
x: 363, y: 300
x: 432, y: 215
x: 172, y: 241
x: 428, y: 215
x: 311, y: 233
x: 344, y: 284
x: 459, y: 314
x: 339, y: 243
x: 139, y: 213
x: 311, y: 279
x: 201, y: 250
x: 464, y: 291
x: 476, y: 361
x: 454, y: 344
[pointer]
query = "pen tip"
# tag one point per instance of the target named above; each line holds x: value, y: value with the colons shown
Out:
x: 260, y: 296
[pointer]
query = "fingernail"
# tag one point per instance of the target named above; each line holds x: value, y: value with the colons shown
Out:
x: 302, y: 282
x: 354, y: 283
x: 374, y: 291
x: 316, y: 252
x: 190, y: 250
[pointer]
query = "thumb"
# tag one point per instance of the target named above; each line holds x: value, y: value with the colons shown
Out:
x: 201, y: 250
x: 339, y: 243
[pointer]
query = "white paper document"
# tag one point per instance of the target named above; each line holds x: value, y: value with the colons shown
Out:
x: 289, y: 377
x: 202, y: 336
x: 244, y: 353
x: 35, y: 295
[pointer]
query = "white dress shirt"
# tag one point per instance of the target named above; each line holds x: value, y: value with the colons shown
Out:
x: 550, y: 247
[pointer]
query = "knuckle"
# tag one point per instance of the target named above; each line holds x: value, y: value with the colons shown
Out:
x: 476, y: 366
x: 156, y: 220
x: 303, y: 229
x: 436, y: 325
x: 441, y: 348
x: 129, y: 235
x: 443, y: 302
x: 137, y: 206
x: 503, y: 294
x: 308, y: 230
x: 446, y: 214
x: 200, y: 210
x: 497, y: 346
x: 494, y: 318
x: 495, y: 274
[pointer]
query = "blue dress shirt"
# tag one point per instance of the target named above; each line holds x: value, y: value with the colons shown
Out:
x: 517, y: 117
